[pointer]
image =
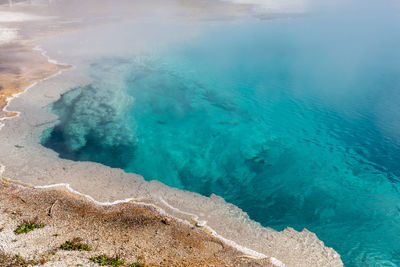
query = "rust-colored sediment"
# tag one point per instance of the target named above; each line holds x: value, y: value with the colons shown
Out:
x: 20, y: 67
x: 133, y: 232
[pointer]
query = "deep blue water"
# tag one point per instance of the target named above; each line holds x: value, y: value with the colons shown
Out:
x: 295, y: 121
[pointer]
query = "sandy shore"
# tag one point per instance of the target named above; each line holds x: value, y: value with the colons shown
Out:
x: 227, y: 236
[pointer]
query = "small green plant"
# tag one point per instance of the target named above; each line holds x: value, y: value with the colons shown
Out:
x: 26, y: 227
x: 105, y: 260
x: 135, y: 264
x: 15, y: 260
x: 19, y: 261
x: 75, y: 244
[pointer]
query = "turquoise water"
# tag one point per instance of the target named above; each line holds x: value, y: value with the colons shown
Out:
x: 295, y: 122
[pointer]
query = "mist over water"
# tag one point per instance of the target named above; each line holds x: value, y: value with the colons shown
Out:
x: 296, y: 121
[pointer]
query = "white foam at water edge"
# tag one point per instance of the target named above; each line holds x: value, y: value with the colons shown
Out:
x: 276, y: 6
x: 44, y: 53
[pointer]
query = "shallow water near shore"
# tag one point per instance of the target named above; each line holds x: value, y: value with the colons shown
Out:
x: 293, y: 121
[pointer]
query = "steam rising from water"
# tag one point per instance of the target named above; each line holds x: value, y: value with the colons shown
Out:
x: 274, y: 6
